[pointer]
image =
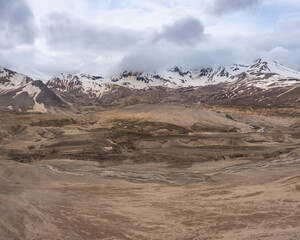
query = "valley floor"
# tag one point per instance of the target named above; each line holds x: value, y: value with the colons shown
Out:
x: 149, y: 172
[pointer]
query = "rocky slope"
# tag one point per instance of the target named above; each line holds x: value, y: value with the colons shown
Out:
x: 22, y: 94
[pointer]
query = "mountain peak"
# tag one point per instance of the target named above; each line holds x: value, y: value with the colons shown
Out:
x: 265, y: 61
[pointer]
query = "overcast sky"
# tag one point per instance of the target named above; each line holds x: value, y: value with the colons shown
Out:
x: 47, y: 37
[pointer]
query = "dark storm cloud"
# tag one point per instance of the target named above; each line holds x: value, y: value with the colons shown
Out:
x: 16, y: 23
x: 64, y: 32
x: 225, y: 6
x: 147, y: 58
x: 187, y: 31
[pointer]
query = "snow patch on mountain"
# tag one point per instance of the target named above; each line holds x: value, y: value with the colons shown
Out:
x: 33, y: 92
x: 79, y: 83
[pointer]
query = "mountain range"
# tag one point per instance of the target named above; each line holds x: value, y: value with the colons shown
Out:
x: 67, y: 92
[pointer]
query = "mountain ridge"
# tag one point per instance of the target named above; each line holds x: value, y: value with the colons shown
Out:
x: 261, y: 73
x: 69, y: 92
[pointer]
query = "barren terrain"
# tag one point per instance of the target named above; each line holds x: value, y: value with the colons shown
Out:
x: 150, y: 172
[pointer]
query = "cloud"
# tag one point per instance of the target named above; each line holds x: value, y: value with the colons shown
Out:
x: 282, y: 43
x: 142, y: 50
x: 65, y: 32
x: 218, y: 7
x: 288, y: 32
x: 186, y: 31
x: 53, y: 36
x: 163, y: 56
x: 173, y: 44
x: 16, y: 23
x: 219, y: 47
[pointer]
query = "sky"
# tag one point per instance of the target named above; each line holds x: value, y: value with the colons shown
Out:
x: 43, y: 38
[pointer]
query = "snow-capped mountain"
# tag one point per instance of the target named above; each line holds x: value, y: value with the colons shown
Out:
x: 263, y: 74
x: 21, y: 93
x: 79, y: 83
x: 12, y: 80
x: 266, y: 74
x: 175, y: 77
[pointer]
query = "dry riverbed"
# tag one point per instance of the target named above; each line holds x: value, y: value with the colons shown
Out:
x: 149, y: 172
x: 67, y: 199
